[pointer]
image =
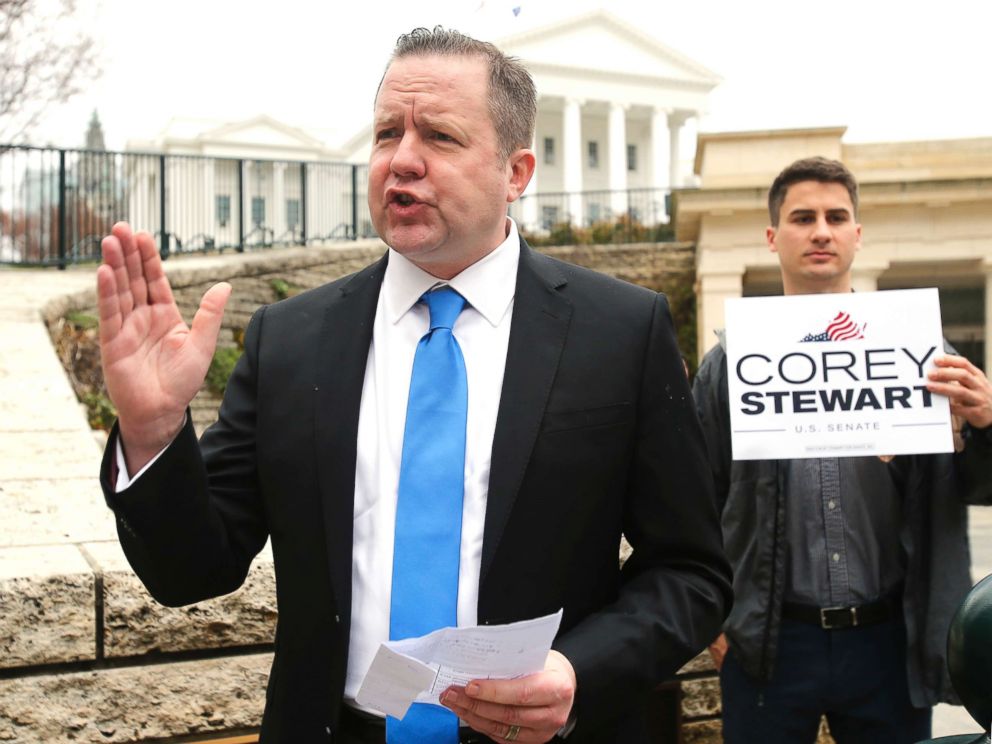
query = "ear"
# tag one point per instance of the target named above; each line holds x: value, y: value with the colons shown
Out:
x: 770, y: 238
x: 520, y: 169
x: 857, y: 246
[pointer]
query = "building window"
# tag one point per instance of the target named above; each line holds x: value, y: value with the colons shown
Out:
x: 549, y: 217
x: 595, y: 211
x: 223, y: 210
x: 292, y: 213
x: 632, y: 157
x: 258, y: 211
x: 593, y: 154
x: 549, y: 150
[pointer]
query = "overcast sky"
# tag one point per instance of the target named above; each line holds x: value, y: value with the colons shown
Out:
x: 886, y: 70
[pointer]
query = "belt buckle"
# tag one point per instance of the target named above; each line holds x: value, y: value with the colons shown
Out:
x: 832, y: 618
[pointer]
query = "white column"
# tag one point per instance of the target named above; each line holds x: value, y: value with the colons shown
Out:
x: 617, y: 136
x: 711, y: 291
x: 988, y: 316
x: 210, y: 226
x: 247, y: 176
x: 675, y: 121
x: 865, y: 273
x: 571, y: 154
x: 661, y: 176
x: 279, y: 197
x: 529, y: 208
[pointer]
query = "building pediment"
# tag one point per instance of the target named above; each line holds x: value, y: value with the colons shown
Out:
x: 261, y: 130
x: 602, y: 42
x: 258, y: 137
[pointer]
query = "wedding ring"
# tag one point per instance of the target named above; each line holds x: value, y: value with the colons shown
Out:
x: 512, y: 733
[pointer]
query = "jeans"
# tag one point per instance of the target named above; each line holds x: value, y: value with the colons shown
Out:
x: 855, y: 676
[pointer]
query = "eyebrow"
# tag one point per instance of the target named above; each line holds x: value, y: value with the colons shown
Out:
x: 433, y: 121
x: 803, y: 211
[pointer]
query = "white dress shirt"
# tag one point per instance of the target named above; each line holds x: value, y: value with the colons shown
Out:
x: 483, y: 332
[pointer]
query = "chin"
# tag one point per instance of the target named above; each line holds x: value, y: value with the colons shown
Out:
x: 410, y: 242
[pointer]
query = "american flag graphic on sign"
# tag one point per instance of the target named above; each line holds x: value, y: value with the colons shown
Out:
x: 841, y: 328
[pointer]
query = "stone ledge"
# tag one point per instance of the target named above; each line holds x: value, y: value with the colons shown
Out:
x: 135, y: 624
x: 49, y: 609
x: 136, y: 703
x: 702, y: 662
x: 47, y: 606
x: 55, y: 511
x: 28, y: 454
x: 701, y: 698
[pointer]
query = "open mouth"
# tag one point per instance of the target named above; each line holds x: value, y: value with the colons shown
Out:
x: 404, y: 200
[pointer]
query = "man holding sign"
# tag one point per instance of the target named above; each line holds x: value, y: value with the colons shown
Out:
x: 847, y: 570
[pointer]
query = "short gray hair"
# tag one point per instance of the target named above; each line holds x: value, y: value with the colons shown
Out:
x: 512, y: 95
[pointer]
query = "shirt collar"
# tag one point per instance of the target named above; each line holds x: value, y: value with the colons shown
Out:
x: 488, y: 285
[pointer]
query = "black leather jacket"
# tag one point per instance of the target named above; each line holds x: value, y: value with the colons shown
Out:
x: 934, y: 534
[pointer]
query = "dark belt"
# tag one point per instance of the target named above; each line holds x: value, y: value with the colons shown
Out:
x: 362, y: 728
x: 836, y: 618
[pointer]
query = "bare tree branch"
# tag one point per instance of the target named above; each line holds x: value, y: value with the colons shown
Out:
x: 45, y: 59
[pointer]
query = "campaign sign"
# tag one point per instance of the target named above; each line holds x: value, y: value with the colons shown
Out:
x: 835, y: 375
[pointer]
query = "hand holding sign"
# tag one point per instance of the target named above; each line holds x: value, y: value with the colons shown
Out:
x: 967, y: 388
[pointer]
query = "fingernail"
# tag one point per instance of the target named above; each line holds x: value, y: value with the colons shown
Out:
x: 448, y: 697
x: 473, y: 689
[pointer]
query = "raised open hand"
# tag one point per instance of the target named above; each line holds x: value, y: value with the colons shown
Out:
x: 153, y: 363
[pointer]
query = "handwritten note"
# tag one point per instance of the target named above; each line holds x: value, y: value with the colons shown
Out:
x: 420, y: 669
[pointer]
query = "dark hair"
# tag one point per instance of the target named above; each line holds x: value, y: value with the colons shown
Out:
x: 819, y: 169
x: 512, y: 96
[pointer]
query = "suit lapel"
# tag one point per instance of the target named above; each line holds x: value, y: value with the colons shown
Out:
x: 345, y: 337
x: 537, y: 336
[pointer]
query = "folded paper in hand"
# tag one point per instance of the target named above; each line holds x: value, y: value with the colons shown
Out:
x: 420, y: 669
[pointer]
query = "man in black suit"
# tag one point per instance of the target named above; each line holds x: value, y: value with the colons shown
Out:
x: 579, y: 427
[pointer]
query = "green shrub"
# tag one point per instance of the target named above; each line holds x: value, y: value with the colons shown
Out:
x: 82, y: 321
x: 221, y: 367
x: 283, y: 289
x: 100, y: 412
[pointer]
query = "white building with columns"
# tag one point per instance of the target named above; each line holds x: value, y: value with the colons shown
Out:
x: 613, y: 107
x: 612, y: 104
x: 277, y: 169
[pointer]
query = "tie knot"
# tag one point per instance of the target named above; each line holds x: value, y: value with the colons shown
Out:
x: 444, y: 304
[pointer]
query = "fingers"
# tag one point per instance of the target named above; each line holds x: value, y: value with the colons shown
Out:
x: 113, y: 257
x: 132, y: 262
x: 718, y: 650
x: 108, y: 304
x: 968, y: 390
x: 207, y: 321
x: 497, y: 722
x: 137, y: 268
x: 954, y: 360
x: 159, y: 290
x: 530, y: 709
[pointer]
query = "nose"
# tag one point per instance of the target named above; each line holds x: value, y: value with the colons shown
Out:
x: 821, y: 230
x: 408, y: 160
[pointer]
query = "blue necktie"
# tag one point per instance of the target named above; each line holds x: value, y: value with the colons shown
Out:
x: 427, y: 540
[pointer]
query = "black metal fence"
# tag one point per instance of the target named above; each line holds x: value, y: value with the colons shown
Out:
x: 57, y: 204
x: 622, y: 214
